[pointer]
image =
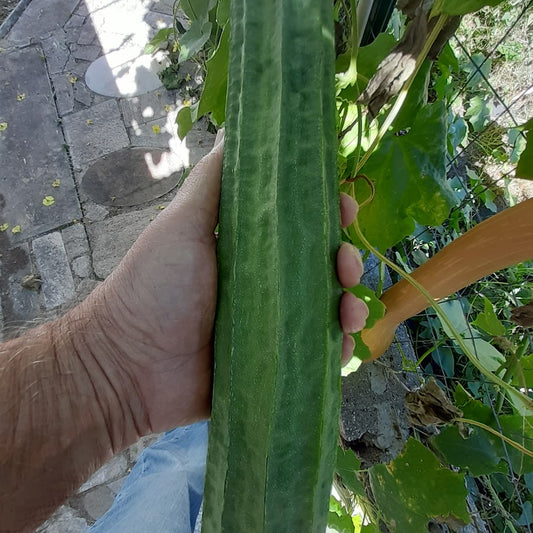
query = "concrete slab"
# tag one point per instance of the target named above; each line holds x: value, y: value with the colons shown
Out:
x: 53, y: 266
x: 95, y: 132
x: 130, y: 177
x: 75, y: 241
x: 41, y: 17
x: 32, y: 149
x: 125, y: 72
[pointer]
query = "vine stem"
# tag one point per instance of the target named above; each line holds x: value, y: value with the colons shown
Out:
x: 522, y: 398
x: 509, y: 441
x: 403, y: 93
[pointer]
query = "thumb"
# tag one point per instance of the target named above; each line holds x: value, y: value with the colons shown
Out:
x: 199, y: 195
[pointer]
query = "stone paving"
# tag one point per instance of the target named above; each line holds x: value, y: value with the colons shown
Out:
x: 66, y: 218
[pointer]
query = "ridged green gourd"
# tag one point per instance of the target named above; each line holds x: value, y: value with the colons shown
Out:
x: 274, y: 424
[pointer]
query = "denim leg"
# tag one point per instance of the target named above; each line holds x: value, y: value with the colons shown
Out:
x: 164, y: 490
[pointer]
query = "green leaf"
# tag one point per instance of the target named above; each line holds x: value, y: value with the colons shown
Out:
x: 488, y: 321
x: 525, y: 371
x: 414, y: 488
x: 526, y: 517
x: 213, y: 99
x: 223, y: 12
x: 338, y: 519
x: 515, y: 427
x: 480, y: 453
x: 160, y: 38
x: 347, y: 466
x: 376, y: 309
x: 461, y: 7
x: 488, y: 356
x: 194, y: 39
x: 524, y: 169
x: 197, y: 9
x: 408, y: 172
x: 443, y: 356
x: 478, y: 113
x: 185, y: 119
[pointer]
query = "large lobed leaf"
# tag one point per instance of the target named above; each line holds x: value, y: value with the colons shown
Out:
x: 415, y: 488
x: 409, y: 175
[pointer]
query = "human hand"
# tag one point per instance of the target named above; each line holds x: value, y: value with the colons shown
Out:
x: 161, y: 301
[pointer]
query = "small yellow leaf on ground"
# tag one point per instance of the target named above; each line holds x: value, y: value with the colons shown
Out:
x: 3, y: 126
x: 188, y: 77
x: 4, y: 226
x: 21, y: 97
x: 156, y: 129
x: 56, y: 183
x: 168, y: 108
x: 187, y: 103
x: 73, y: 79
x: 160, y: 207
x: 48, y: 200
x: 89, y: 122
x: 16, y: 229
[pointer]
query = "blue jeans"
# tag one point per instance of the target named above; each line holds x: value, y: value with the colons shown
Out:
x: 164, y: 490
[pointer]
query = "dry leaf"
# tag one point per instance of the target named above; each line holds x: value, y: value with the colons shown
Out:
x: 56, y: 183
x: 4, y: 226
x: 16, y: 229
x: 3, y: 126
x: 429, y: 406
x: 48, y: 201
x: 523, y: 316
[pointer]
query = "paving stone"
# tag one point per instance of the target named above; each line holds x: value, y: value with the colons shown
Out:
x: 163, y: 6
x: 56, y: 51
x: 75, y: 21
x: 82, y: 94
x: 87, y: 53
x: 136, y: 449
x: 95, y: 212
x: 112, y: 470
x: 52, y: 264
x: 81, y: 266
x: 32, y: 149
x: 131, y: 176
x: 64, y: 93
x: 115, y: 486
x: 75, y: 241
x: 125, y: 72
x: 88, y: 33
x: 113, y: 237
x: 19, y: 305
x: 158, y: 21
x: 76, y: 67
x: 84, y: 288
x: 72, y: 36
x: 64, y: 520
x: 103, y: 134
x: 98, y: 501
x: 41, y: 17
x: 146, y: 107
x: 186, y: 152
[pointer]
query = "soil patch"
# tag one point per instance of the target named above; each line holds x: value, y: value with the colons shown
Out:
x: 6, y: 6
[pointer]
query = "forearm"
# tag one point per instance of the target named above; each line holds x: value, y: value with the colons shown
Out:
x: 65, y: 408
